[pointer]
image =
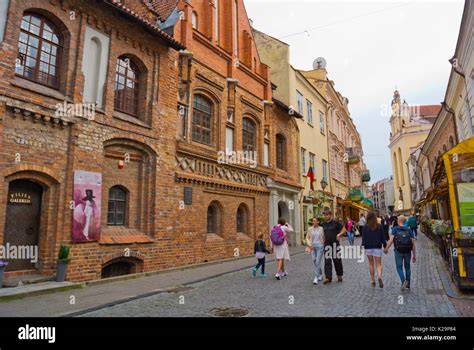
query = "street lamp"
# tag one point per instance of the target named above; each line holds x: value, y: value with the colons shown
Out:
x: 324, y: 184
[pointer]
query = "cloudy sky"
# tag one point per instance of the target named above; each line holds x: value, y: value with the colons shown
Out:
x: 370, y: 47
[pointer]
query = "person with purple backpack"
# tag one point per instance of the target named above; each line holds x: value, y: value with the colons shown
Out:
x: 279, y: 244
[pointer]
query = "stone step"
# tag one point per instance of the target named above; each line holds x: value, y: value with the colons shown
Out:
x: 18, y: 281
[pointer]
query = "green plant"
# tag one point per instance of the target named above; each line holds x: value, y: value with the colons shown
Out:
x: 63, y: 255
x: 441, y: 228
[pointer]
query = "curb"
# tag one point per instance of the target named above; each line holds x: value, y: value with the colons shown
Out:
x: 445, y: 276
x: 22, y: 295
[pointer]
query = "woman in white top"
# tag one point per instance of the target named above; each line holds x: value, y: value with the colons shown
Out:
x: 281, y: 251
x: 315, y: 243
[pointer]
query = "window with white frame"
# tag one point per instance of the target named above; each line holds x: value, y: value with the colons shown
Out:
x: 309, y: 107
x: 303, y: 161
x: 322, y: 124
x: 325, y: 170
x: 299, y: 100
x: 312, y: 162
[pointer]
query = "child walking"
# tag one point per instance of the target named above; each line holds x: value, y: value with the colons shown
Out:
x: 259, y: 250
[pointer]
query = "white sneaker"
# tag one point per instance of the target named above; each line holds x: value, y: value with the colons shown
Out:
x: 277, y: 276
x: 315, y: 281
x: 285, y: 274
x: 320, y: 278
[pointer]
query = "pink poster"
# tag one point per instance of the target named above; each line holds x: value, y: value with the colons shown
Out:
x: 87, y: 202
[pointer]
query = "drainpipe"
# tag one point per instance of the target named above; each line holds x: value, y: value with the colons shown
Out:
x: 454, y: 63
x: 451, y: 111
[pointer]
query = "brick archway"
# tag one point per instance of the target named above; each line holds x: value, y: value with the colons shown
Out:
x: 49, y: 226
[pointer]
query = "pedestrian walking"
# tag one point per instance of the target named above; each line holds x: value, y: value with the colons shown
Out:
x: 373, y: 241
x: 386, y: 227
x: 350, y: 231
x: 405, y: 250
x: 412, y: 225
x: 260, y: 250
x: 394, y: 221
x: 279, y: 244
x: 315, y: 243
x: 333, y: 230
x: 361, y: 222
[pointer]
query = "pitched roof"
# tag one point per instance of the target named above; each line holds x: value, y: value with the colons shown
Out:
x: 430, y: 110
x: 162, y: 8
x: 145, y: 21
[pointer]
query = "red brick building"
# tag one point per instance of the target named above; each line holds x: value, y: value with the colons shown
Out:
x: 115, y: 119
x: 69, y: 53
x: 225, y: 109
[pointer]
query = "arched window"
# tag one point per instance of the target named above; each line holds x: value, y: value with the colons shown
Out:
x: 444, y: 149
x: 117, y: 206
x: 213, y: 218
x: 127, y: 80
x: 248, y: 136
x: 242, y: 219
x: 400, y: 167
x: 280, y: 151
x: 395, y: 173
x: 194, y: 20
x: 202, y: 119
x: 39, y: 50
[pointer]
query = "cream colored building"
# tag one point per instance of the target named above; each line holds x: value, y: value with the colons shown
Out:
x: 296, y: 91
x: 348, y: 171
x: 460, y: 91
x: 410, y: 126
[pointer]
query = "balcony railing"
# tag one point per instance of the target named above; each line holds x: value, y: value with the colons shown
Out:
x: 353, y: 155
x: 365, y: 176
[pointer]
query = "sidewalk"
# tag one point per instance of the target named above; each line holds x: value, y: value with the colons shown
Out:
x: 101, y: 293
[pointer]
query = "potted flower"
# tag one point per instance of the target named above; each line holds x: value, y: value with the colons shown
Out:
x: 3, y: 265
x: 63, y: 261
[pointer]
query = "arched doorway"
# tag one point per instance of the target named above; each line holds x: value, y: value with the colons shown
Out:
x: 22, y: 224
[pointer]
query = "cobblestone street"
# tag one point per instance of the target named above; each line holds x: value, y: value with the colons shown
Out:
x: 295, y: 295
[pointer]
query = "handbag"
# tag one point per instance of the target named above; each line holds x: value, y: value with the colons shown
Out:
x: 356, y: 232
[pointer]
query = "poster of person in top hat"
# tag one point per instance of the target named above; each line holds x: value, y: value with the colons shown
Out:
x: 87, y: 206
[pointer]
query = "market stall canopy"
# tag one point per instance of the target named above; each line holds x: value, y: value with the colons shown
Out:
x: 461, y: 159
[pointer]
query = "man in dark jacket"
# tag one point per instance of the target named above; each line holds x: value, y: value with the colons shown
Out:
x: 333, y: 231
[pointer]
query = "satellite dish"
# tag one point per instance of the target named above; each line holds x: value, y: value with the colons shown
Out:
x: 319, y: 63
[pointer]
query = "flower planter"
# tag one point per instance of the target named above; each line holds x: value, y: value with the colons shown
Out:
x: 61, y: 272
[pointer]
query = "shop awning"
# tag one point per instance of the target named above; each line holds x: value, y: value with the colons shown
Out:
x: 466, y: 148
x: 354, y: 205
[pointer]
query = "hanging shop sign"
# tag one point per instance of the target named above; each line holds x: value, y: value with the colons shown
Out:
x: 466, y: 206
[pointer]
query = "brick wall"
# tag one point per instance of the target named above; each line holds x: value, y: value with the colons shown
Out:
x: 160, y: 231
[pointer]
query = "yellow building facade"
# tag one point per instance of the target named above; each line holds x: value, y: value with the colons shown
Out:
x: 410, y: 126
x: 348, y: 170
x: 293, y: 89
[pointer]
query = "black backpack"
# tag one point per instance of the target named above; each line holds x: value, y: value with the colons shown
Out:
x: 403, y: 242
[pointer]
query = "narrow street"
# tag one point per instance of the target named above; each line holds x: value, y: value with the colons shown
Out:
x: 297, y: 296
